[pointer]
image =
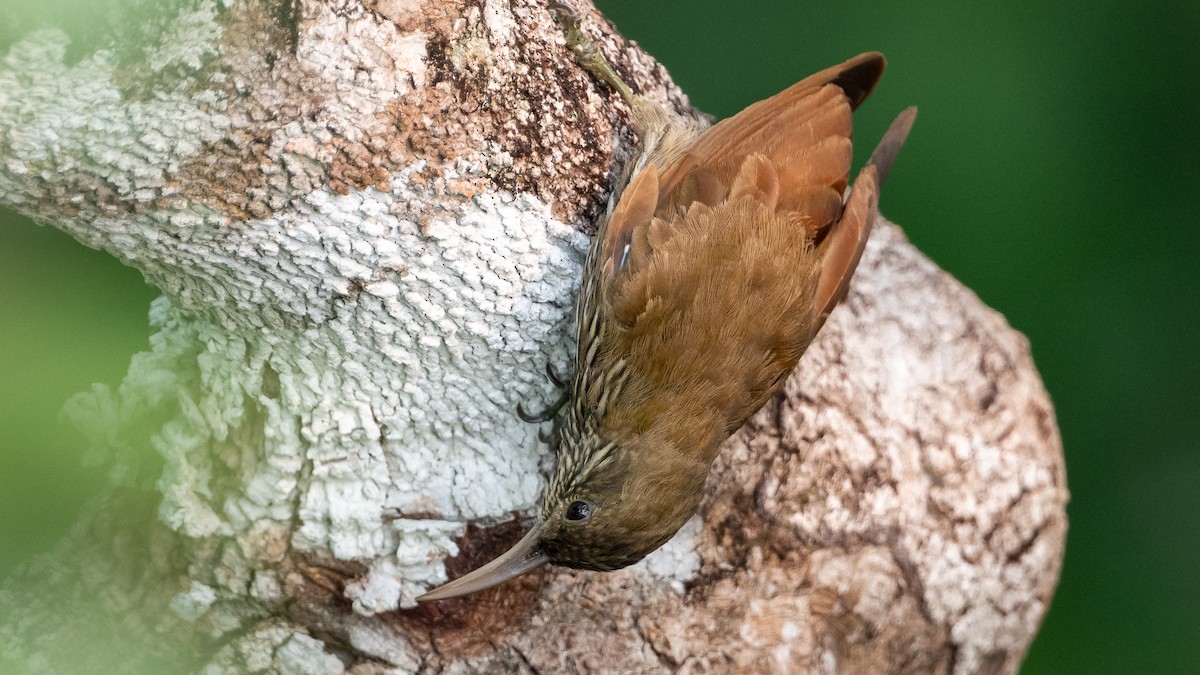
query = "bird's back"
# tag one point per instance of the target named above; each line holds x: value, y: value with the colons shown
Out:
x: 721, y: 259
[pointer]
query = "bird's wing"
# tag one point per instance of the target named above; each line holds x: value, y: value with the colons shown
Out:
x: 787, y: 157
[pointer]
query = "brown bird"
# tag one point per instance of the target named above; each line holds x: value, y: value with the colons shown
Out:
x: 725, y: 253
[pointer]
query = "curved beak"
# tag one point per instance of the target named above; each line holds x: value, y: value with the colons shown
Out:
x: 526, y: 555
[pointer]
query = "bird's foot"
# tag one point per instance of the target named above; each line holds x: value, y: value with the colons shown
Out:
x: 554, y: 378
x: 543, y: 415
x: 586, y: 51
x: 551, y: 411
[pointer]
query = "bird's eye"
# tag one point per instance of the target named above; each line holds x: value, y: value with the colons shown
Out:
x: 579, y: 510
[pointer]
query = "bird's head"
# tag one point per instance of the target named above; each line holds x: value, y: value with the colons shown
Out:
x: 606, y: 508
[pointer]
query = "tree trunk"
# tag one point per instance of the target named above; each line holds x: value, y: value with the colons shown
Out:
x: 367, y: 218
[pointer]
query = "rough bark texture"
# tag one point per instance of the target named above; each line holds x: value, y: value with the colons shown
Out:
x: 356, y: 211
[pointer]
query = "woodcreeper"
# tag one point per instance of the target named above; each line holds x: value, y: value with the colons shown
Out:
x: 720, y: 257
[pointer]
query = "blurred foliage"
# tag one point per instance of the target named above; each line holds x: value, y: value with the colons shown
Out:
x: 1051, y: 170
x: 69, y: 316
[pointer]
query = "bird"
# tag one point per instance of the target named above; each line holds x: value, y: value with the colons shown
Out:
x: 720, y: 256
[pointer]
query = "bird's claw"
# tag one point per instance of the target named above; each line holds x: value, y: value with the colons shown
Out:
x: 527, y: 416
x: 557, y: 381
x: 566, y: 14
x: 544, y: 416
x: 577, y: 41
x: 551, y: 412
x: 586, y: 51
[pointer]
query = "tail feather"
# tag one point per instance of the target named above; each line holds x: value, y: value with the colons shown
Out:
x: 847, y: 238
x: 893, y: 139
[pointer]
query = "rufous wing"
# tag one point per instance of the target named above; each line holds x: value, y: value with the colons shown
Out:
x: 805, y: 129
x: 789, y: 154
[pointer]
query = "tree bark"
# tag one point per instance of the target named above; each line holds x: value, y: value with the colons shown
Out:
x: 367, y: 218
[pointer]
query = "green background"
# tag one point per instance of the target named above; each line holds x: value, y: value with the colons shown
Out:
x: 1053, y: 169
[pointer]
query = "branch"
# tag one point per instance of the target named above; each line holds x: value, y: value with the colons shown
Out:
x: 359, y: 214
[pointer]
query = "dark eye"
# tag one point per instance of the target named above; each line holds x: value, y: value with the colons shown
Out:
x: 579, y: 511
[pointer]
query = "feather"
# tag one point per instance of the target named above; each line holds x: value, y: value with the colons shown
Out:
x: 757, y: 180
x: 848, y: 237
x: 636, y: 208
x: 788, y: 155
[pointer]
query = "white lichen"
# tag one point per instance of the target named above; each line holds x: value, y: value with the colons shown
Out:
x: 193, y: 603
x: 675, y: 562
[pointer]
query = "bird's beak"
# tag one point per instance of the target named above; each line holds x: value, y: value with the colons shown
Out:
x: 526, y: 555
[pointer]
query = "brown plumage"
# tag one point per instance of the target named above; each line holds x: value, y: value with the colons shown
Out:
x: 721, y: 260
